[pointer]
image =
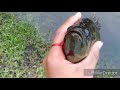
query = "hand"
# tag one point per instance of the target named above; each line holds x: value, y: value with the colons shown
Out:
x: 55, y: 64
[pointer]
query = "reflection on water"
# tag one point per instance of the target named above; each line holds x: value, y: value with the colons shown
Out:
x: 110, y: 31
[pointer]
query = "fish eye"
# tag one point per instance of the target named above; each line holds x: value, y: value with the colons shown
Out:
x: 86, y: 32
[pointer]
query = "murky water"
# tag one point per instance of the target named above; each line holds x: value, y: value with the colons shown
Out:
x: 110, y: 31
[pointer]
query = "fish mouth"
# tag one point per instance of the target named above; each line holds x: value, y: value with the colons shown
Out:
x: 74, y: 44
x: 76, y: 29
x: 78, y: 40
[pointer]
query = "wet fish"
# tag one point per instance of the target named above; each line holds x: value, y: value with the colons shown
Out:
x: 80, y: 38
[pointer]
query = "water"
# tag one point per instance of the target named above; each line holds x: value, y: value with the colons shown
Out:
x: 110, y: 31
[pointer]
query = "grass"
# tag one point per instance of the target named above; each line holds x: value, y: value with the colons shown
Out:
x: 21, y: 49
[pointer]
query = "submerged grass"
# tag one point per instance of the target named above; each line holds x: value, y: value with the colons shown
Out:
x: 21, y: 49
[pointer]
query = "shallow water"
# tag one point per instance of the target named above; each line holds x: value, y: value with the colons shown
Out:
x: 110, y: 31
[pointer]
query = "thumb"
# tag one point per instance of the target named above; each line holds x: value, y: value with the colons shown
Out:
x: 60, y: 34
x: 94, y: 53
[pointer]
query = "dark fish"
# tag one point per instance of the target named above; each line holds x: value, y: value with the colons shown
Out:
x: 80, y: 38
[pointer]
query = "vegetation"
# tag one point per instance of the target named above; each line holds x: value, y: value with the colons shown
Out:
x: 21, y: 49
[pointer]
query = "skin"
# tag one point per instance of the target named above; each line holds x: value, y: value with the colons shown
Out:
x: 55, y: 64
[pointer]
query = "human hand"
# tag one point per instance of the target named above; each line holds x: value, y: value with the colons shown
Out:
x: 55, y: 63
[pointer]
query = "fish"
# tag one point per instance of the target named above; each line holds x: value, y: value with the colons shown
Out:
x: 79, y: 39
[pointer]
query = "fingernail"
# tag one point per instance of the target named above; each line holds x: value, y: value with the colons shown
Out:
x: 100, y: 44
x: 78, y: 14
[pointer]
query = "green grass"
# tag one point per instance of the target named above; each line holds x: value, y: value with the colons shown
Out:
x: 21, y: 49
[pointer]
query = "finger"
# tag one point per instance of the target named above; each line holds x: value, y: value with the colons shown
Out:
x: 60, y: 34
x: 92, y: 59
